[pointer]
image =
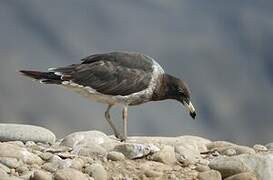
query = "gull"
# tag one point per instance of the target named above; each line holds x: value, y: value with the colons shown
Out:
x: 118, y: 78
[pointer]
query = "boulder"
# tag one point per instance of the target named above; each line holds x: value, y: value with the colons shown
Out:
x: 24, y: 133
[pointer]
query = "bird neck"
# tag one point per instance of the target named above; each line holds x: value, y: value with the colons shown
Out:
x: 166, y: 88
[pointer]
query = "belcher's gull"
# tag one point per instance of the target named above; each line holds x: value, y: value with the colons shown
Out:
x: 125, y: 78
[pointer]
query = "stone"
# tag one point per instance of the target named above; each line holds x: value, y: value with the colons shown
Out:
x: 224, y: 147
x: 229, y: 152
x: 11, y: 178
x: 46, y: 156
x: 41, y: 175
x: 166, y: 155
x: 65, y: 155
x: 209, y: 175
x: 35, y: 166
x: 24, y: 133
x: 259, y: 147
x: 26, y: 175
x: 193, y: 155
x: 261, y: 164
x: 153, y: 165
x: 228, y: 166
x: 50, y: 166
x: 115, y: 156
x: 57, y: 149
x: 152, y: 173
x: 243, y: 150
x: 202, y: 168
x: 69, y: 174
x: 89, y: 150
x: 30, y: 143
x: 184, y: 162
x: 55, y: 162
x: 11, y: 162
x: 89, y: 139
x: 243, y: 176
x: 77, y: 163
x: 269, y: 146
x: 5, y: 168
x: 18, y: 143
x: 191, y: 142
x: 13, y: 172
x: 219, y: 145
x: 22, y: 169
x: 3, y: 173
x: 97, y: 171
x: 133, y: 151
x: 204, y: 162
x: 15, y: 151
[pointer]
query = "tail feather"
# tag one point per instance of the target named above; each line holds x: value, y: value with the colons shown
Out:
x: 45, y: 77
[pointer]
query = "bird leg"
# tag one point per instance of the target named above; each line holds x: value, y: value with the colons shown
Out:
x: 108, y: 119
x: 125, y: 122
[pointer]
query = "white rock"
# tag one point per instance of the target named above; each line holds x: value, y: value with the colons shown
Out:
x: 228, y: 166
x: 166, y: 155
x: 89, y: 150
x: 209, y: 175
x: 21, y: 132
x: 243, y: 176
x: 26, y: 175
x: 97, y: 171
x: 22, y: 169
x: 191, y: 142
x: 261, y: 164
x: 152, y: 173
x: 222, y: 147
x: 55, y: 162
x: 3, y: 173
x: 244, y: 150
x: 229, y: 152
x: 5, y: 168
x: 259, y: 147
x: 11, y: 178
x: 132, y: 151
x: 269, y: 146
x: 50, y: 167
x: 77, y: 163
x: 41, y: 175
x: 115, y: 156
x: 219, y: 145
x: 46, y: 156
x: 89, y: 139
x: 69, y: 174
x: 11, y: 162
x: 193, y: 155
x: 14, y: 151
x: 202, y: 168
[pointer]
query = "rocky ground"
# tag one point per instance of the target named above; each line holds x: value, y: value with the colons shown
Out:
x: 33, y: 153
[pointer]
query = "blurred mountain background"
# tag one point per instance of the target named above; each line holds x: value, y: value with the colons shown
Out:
x: 223, y: 49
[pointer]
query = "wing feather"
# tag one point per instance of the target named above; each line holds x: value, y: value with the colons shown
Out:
x: 115, y: 73
x: 108, y: 77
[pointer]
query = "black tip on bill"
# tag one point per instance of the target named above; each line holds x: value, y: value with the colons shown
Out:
x: 193, y: 114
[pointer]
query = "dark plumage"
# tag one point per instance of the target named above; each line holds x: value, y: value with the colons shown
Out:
x: 125, y: 78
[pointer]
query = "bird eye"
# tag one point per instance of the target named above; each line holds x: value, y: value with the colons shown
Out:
x: 180, y: 91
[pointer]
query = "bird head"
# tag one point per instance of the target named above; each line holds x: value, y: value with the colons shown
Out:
x: 178, y: 89
x: 184, y: 97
